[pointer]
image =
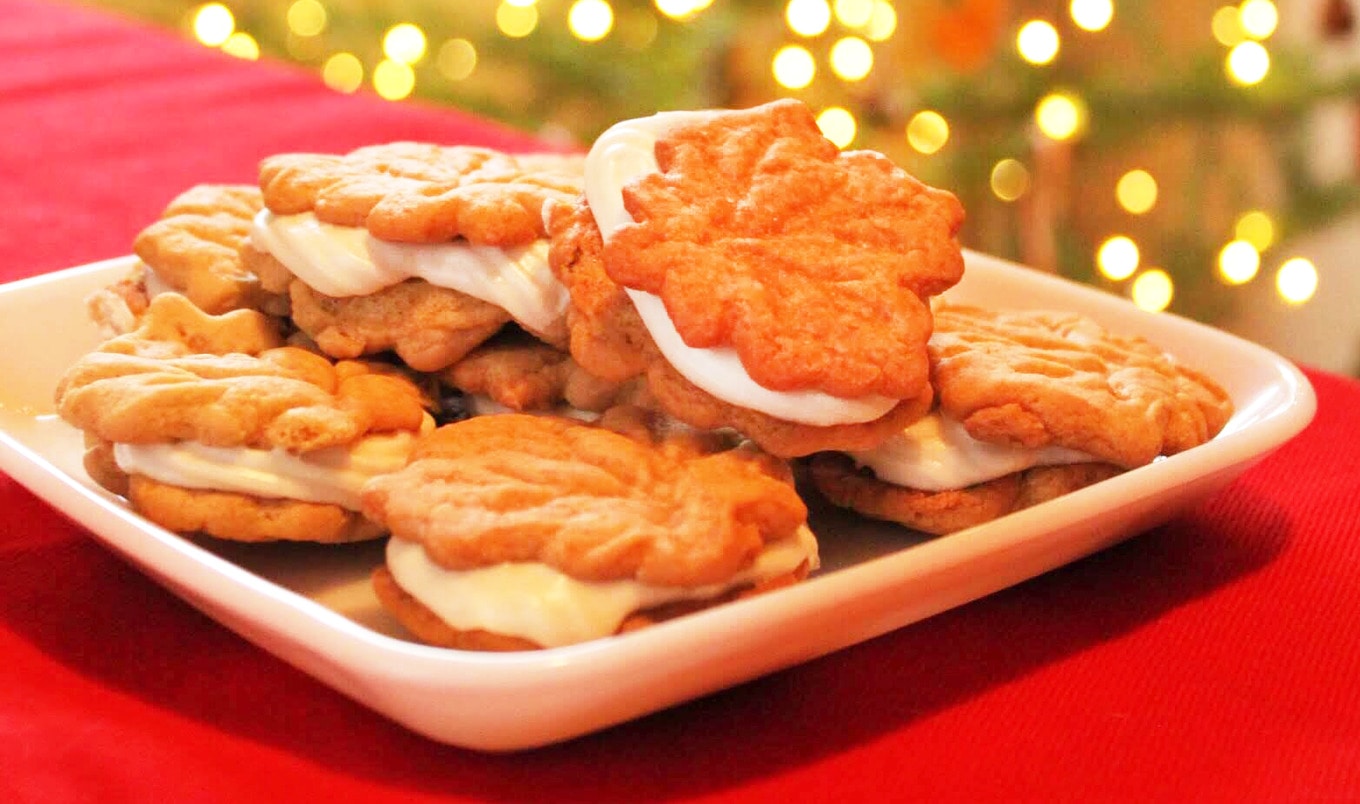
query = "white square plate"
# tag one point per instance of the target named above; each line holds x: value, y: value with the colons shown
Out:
x: 312, y: 606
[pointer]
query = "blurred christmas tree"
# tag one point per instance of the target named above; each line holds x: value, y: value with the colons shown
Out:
x: 1160, y: 148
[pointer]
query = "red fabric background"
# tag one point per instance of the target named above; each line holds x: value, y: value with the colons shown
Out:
x: 1214, y: 658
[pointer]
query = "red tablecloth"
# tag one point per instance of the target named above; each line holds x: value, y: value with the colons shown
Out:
x: 1216, y: 657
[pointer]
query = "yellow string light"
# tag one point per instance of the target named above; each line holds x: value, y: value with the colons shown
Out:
x: 1152, y: 290
x: 1297, y: 280
x: 1091, y: 15
x: 393, y: 80
x: 854, y: 13
x: 1136, y: 192
x: 213, y: 24
x: 1009, y: 179
x: 838, y: 125
x: 1060, y: 116
x: 1038, y: 42
x: 456, y: 59
x: 1256, y: 228
x: 242, y: 45
x: 882, y: 22
x: 404, y: 43
x: 681, y: 9
x: 516, y: 21
x: 1238, y: 262
x: 1258, y: 18
x: 927, y: 131
x: 343, y: 72
x: 793, y: 67
x: 851, y: 58
x: 1117, y: 258
x: 808, y: 17
x: 590, y: 20
x: 1247, y: 63
x: 306, y: 17
x: 1226, y: 25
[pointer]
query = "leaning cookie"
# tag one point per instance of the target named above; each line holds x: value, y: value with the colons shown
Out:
x: 200, y: 248
x: 1032, y: 405
x: 209, y: 424
x: 517, y: 372
x: 515, y: 532
x: 420, y: 249
x: 760, y: 278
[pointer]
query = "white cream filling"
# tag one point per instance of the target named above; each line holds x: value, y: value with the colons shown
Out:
x: 936, y: 453
x: 334, y: 475
x: 626, y: 152
x: 534, y: 601
x: 344, y: 261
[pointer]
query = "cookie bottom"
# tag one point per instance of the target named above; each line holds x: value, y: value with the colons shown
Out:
x: 426, y: 626
x: 940, y: 512
x: 241, y: 518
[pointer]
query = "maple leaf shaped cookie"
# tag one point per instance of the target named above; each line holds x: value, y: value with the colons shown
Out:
x: 814, y: 264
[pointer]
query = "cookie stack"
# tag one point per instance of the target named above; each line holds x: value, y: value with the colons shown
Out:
x: 646, y: 343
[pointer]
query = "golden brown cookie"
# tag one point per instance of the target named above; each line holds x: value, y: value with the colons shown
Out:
x: 843, y: 484
x: 197, y: 246
x: 589, y: 504
x: 428, y: 327
x: 609, y: 340
x: 814, y: 264
x: 520, y: 372
x: 1041, y: 378
x: 175, y: 411
x: 118, y: 308
x: 423, y: 193
x: 1035, y: 381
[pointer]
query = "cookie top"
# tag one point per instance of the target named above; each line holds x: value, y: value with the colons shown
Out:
x: 423, y: 193
x: 592, y: 503
x: 814, y: 264
x: 1047, y: 378
x: 228, y: 381
x: 196, y: 247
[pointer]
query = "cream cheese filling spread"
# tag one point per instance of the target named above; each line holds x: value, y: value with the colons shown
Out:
x: 334, y: 475
x: 936, y: 453
x: 344, y: 261
x: 534, y: 601
x: 626, y: 152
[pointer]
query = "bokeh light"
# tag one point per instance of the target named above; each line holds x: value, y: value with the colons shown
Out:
x: 1247, y: 63
x: 1226, y: 25
x: 1257, y: 228
x: 393, y: 80
x: 854, y: 13
x: 1091, y: 15
x: 404, y: 43
x: 1238, y: 262
x: 343, y: 72
x: 590, y: 20
x: 457, y: 59
x: 838, y: 125
x: 1152, y: 290
x: 808, y: 17
x: 927, y: 131
x: 213, y: 24
x: 882, y: 23
x: 1117, y: 258
x: 1009, y: 179
x: 306, y: 17
x: 1037, y: 42
x: 242, y: 45
x: 851, y: 58
x: 793, y: 67
x: 1136, y: 192
x: 681, y: 9
x: 1258, y: 18
x: 516, y: 21
x: 1297, y: 280
x: 1060, y: 116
